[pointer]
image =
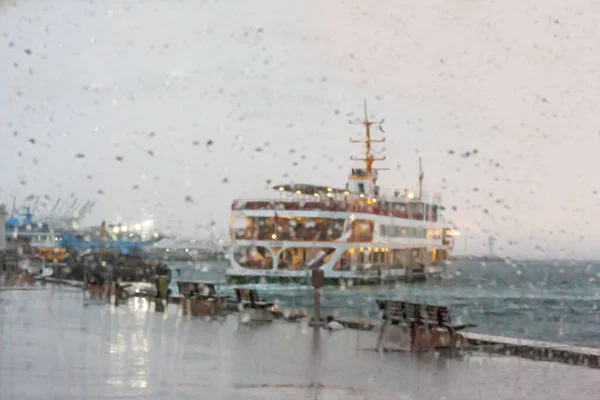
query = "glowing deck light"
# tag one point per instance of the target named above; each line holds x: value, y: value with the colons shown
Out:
x: 273, y: 236
x: 316, y: 195
x: 298, y: 191
x: 329, y: 189
x: 281, y: 188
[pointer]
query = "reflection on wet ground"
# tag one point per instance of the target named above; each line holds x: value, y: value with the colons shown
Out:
x: 53, y: 347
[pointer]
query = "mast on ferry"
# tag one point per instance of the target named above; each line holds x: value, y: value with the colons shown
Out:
x: 369, y: 159
x: 421, y: 176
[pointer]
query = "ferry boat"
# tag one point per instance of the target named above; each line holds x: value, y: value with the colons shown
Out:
x: 359, y: 234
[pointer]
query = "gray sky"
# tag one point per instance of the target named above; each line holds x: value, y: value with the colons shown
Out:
x: 272, y: 85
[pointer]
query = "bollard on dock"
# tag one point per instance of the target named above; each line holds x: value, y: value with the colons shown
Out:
x: 318, y: 281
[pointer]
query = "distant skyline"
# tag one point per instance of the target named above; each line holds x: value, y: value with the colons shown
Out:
x: 171, y: 110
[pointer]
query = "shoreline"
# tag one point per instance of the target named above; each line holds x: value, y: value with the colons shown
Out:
x: 490, y: 344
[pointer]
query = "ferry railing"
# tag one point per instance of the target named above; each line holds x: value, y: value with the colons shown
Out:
x: 385, y: 195
x: 434, y: 198
x: 336, y: 206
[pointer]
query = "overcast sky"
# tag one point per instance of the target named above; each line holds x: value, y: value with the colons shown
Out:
x: 138, y: 104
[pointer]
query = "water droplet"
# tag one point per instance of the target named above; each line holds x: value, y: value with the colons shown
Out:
x: 189, y: 199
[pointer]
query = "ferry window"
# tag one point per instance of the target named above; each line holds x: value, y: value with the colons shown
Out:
x: 398, y: 258
x: 361, y: 257
x: 344, y: 263
x: 254, y: 257
x: 361, y: 187
x: 362, y: 231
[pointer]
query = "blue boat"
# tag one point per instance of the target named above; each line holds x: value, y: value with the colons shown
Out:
x: 40, y: 234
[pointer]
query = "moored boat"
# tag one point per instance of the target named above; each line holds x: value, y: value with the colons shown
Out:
x: 359, y: 234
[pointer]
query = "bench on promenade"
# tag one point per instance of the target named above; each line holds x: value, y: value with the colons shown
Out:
x: 199, y: 299
x: 249, y: 304
x: 427, y: 326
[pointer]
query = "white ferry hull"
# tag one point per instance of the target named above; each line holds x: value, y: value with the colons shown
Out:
x: 237, y: 274
x: 355, y: 272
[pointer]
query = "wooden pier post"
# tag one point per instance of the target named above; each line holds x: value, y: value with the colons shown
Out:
x: 318, y: 281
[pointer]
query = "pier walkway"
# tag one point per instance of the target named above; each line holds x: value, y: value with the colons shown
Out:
x: 52, y: 347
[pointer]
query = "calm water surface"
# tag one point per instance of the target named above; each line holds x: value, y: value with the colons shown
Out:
x: 535, y: 300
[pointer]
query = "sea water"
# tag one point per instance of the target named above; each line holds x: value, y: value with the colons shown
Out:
x: 553, y: 301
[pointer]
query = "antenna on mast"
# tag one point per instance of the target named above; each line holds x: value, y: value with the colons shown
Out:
x: 369, y: 159
x: 421, y: 176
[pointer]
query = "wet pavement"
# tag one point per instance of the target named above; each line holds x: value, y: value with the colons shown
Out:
x: 52, y: 347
